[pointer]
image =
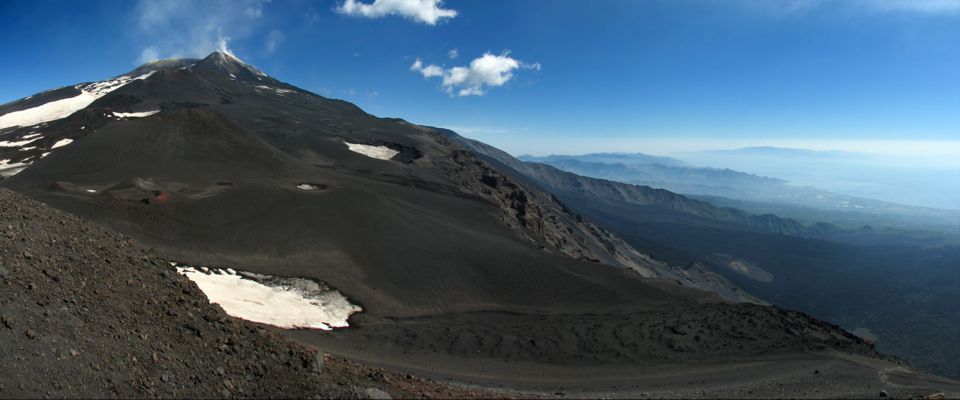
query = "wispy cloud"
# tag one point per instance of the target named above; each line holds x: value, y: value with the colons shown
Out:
x: 794, y: 7
x: 312, y: 15
x: 924, y: 6
x: 426, y: 11
x: 274, y: 38
x: 453, y: 54
x: 187, y: 28
x: 484, y: 72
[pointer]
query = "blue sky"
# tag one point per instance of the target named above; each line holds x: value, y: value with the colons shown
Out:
x: 560, y: 76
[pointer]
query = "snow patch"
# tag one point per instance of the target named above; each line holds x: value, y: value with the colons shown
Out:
x: 8, y: 169
x: 61, y: 143
x: 309, y: 186
x: 274, y: 89
x: 62, y: 108
x: 20, y: 143
x: 378, y: 152
x: 135, y: 114
x: 289, y: 303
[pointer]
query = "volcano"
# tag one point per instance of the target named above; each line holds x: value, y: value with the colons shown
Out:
x: 463, y: 269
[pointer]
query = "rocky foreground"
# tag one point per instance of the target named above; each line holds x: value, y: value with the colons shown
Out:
x: 89, y: 313
x: 85, y: 312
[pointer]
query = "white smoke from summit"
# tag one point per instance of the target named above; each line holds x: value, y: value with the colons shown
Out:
x: 187, y: 28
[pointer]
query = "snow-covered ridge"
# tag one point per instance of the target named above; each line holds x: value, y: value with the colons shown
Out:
x: 224, y: 57
x: 229, y: 55
x: 378, y: 152
x: 62, y: 108
x: 290, y: 303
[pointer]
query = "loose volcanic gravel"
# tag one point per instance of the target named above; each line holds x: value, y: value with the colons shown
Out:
x: 89, y: 313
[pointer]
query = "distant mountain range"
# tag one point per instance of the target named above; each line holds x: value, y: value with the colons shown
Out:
x: 460, y: 255
x: 758, y: 194
x: 847, y: 274
x: 930, y: 181
x: 214, y: 163
x: 629, y: 159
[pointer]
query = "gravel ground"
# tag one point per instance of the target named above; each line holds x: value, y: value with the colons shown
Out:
x: 89, y: 313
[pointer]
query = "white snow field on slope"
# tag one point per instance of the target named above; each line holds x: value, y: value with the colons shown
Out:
x: 135, y: 114
x: 8, y: 169
x: 62, y: 108
x: 20, y: 143
x: 289, y: 303
x: 378, y: 152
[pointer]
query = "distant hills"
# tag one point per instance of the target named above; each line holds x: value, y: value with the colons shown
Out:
x: 884, y: 281
x: 610, y: 158
x: 930, y: 181
x: 757, y: 194
x: 460, y: 255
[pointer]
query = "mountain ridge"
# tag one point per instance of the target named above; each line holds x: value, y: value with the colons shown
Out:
x: 564, y: 233
x: 776, y: 193
x: 429, y: 235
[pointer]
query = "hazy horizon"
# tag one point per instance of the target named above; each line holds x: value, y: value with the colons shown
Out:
x: 927, y: 180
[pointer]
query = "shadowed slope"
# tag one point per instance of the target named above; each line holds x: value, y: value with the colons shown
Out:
x: 432, y: 243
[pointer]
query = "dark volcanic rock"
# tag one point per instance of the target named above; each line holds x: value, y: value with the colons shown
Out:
x: 90, y: 334
x: 450, y: 253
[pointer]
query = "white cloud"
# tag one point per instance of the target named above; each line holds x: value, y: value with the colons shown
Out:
x: 487, y: 71
x: 425, y: 11
x: 187, y: 28
x: 274, y: 38
x: 453, y: 54
x: 428, y: 71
